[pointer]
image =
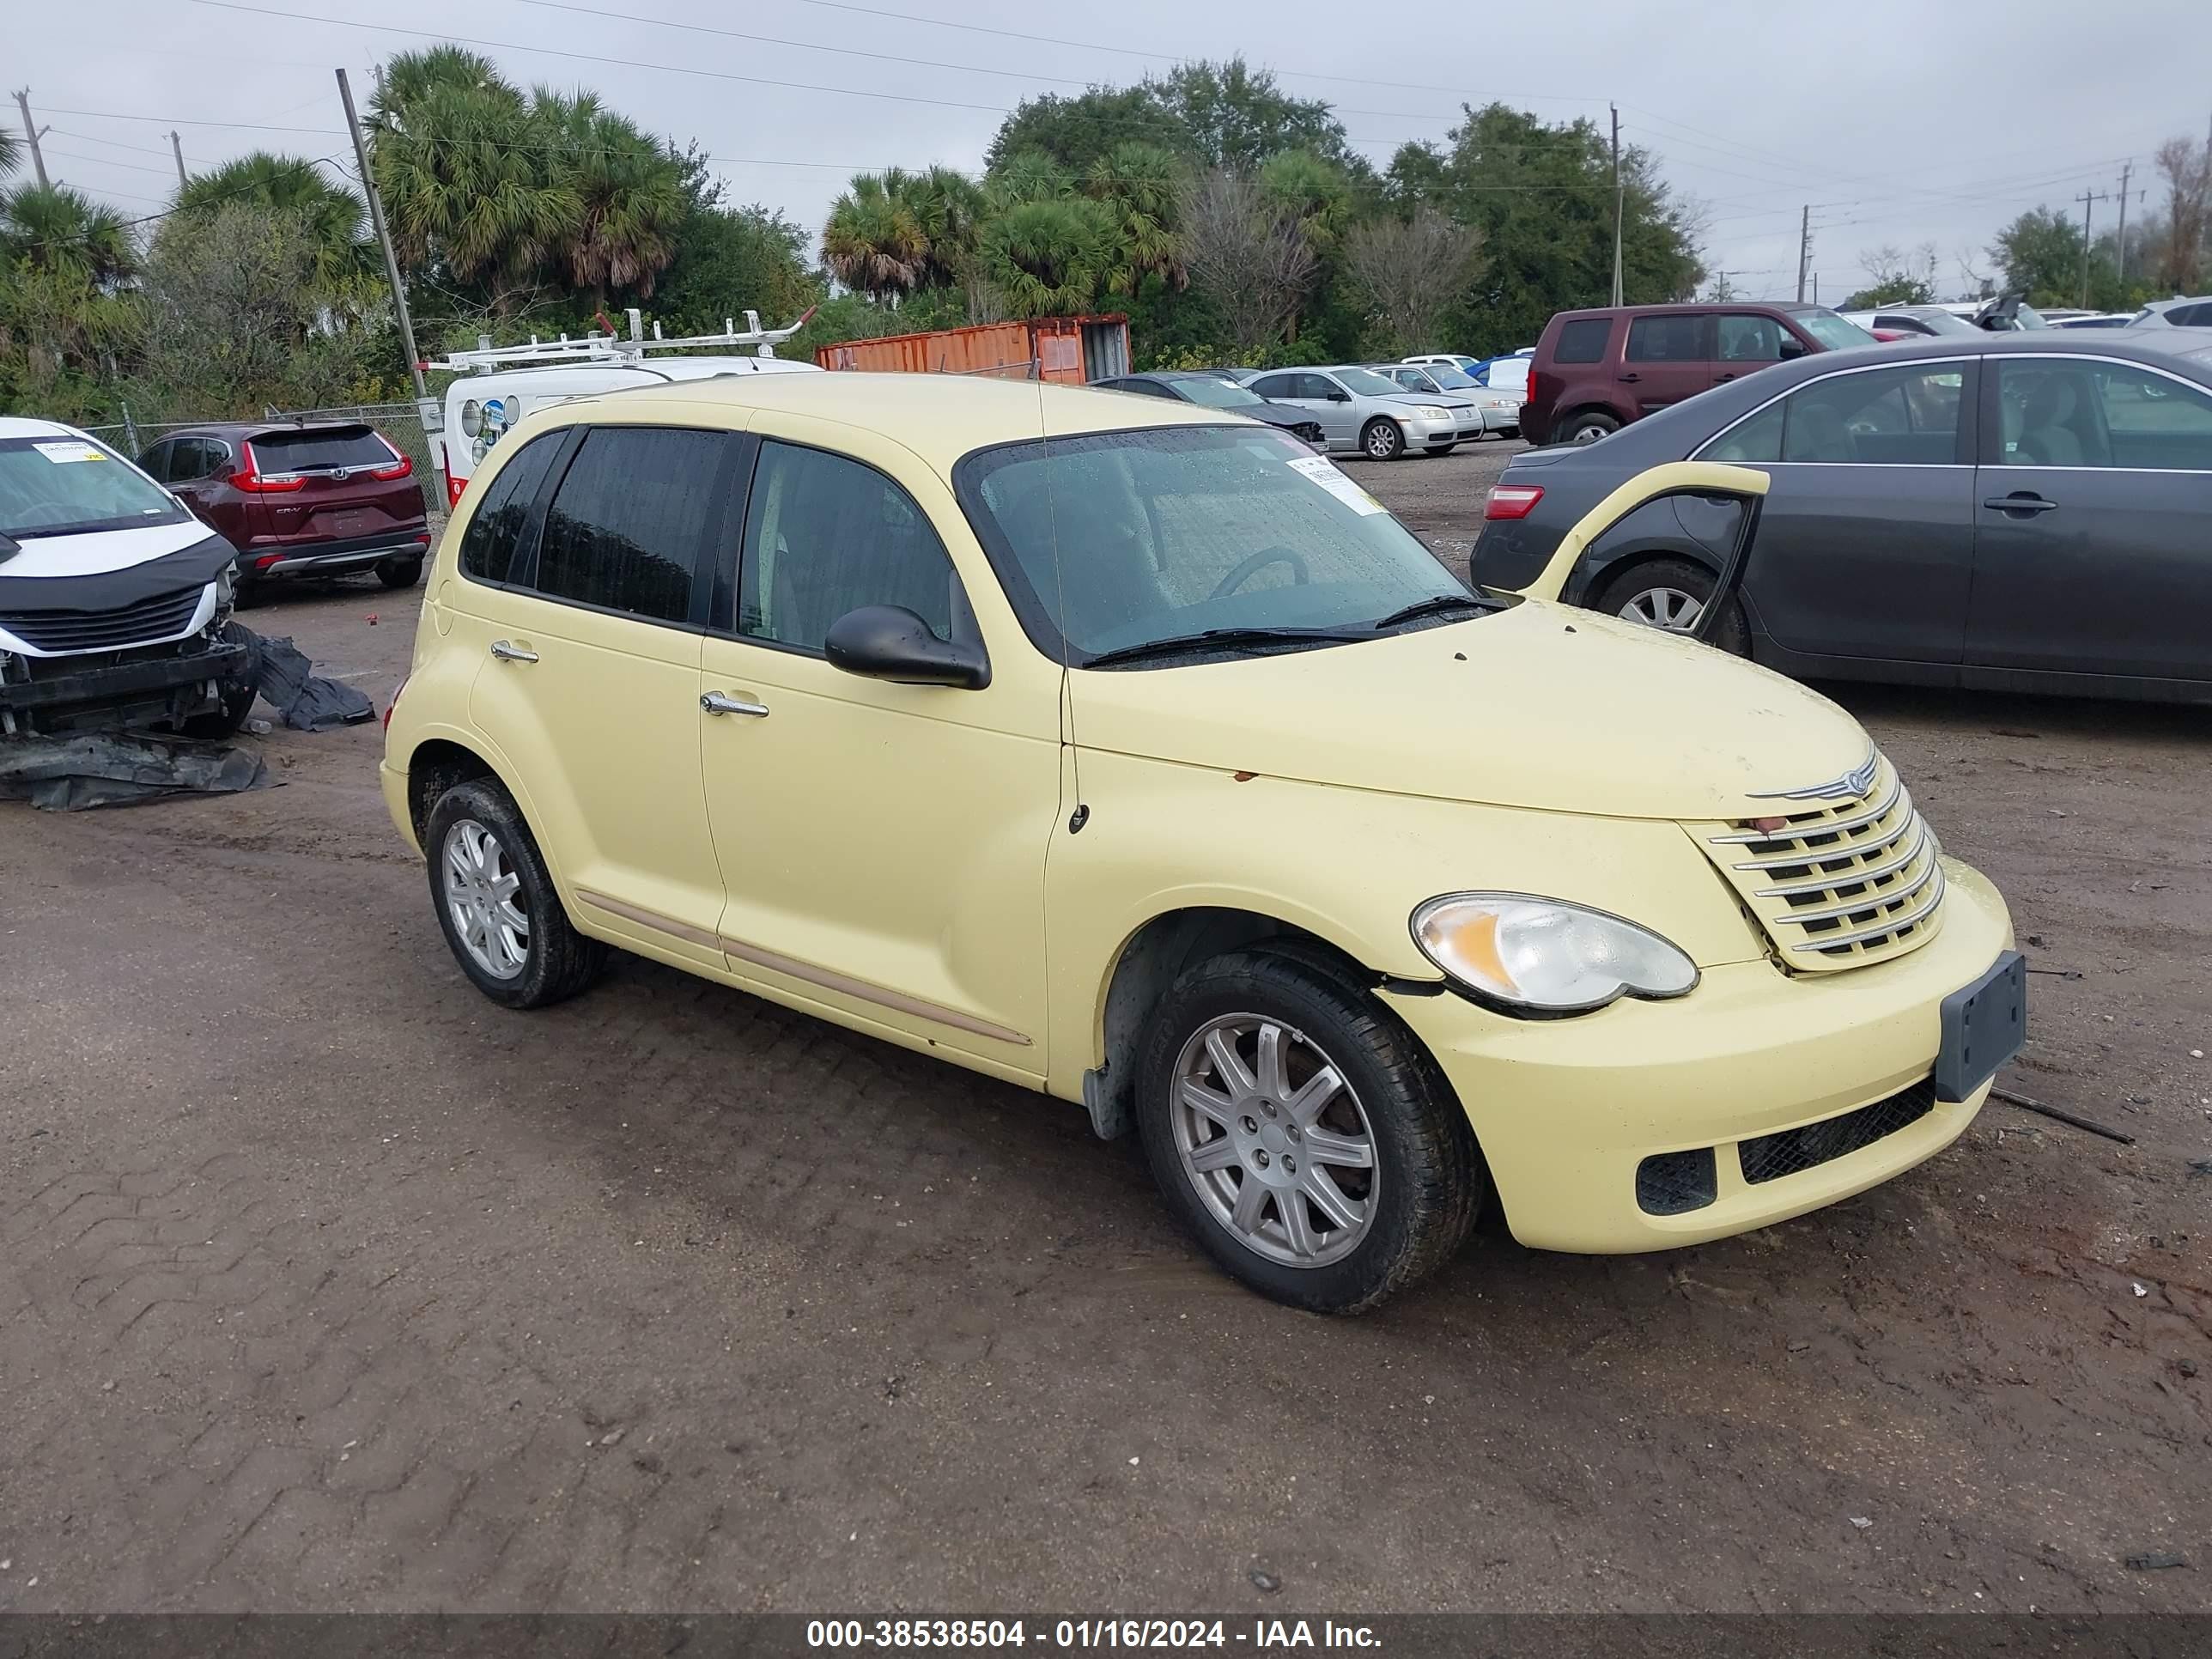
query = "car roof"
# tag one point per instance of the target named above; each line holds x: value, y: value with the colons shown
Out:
x: 1795, y: 307
x: 262, y: 429
x: 23, y: 426
x: 940, y: 417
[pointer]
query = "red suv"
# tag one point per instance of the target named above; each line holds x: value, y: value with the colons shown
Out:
x: 301, y: 500
x: 1595, y: 371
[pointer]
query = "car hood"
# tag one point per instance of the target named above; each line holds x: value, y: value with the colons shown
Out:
x: 1538, y: 706
x: 95, y: 552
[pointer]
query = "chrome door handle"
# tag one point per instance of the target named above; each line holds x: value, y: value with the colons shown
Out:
x: 720, y: 703
x: 508, y: 651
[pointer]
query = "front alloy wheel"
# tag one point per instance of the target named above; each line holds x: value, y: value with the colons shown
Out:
x: 1669, y: 608
x: 484, y: 898
x: 1382, y: 440
x: 1275, y: 1141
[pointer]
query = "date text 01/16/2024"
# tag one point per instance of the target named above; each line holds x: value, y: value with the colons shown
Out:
x: 1002, y: 1635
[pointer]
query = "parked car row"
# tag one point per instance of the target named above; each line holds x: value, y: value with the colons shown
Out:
x: 2023, y: 510
x: 1381, y: 410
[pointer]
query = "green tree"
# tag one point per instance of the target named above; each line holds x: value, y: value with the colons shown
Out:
x: 1541, y: 195
x: 334, y: 217
x: 52, y: 227
x: 730, y: 261
x: 1051, y: 256
x: 873, y: 244
x: 1139, y: 185
x: 2039, y: 253
x: 1075, y: 131
x: 1236, y: 117
x: 628, y: 193
x: 11, y: 152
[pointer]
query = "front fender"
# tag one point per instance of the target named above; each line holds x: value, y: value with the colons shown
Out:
x: 1347, y: 866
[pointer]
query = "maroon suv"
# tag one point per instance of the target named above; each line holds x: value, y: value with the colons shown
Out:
x: 300, y: 500
x: 1595, y: 371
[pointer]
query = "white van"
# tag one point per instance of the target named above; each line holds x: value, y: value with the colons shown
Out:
x: 499, y: 384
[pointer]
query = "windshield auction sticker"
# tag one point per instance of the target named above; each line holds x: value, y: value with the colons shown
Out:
x: 1325, y: 473
x: 62, y: 452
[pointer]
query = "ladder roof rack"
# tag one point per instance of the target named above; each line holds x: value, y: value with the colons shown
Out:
x: 596, y: 348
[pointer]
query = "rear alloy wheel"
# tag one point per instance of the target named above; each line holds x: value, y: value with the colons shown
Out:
x: 1303, y: 1133
x: 1671, y: 596
x: 1590, y: 425
x: 1380, y: 439
x: 497, y: 906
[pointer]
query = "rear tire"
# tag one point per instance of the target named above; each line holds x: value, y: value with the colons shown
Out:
x: 1380, y: 439
x: 1670, y: 595
x: 399, y: 573
x: 1587, y: 426
x: 1225, y: 1139
x: 497, y: 904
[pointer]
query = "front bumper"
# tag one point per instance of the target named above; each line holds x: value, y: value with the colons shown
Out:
x: 1567, y: 1109
x: 124, y: 694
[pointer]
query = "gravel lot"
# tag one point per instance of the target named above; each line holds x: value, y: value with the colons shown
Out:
x: 325, y: 1284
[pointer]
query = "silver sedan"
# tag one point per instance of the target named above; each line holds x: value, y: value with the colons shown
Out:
x: 1365, y: 413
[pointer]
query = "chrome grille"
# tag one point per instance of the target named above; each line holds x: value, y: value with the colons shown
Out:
x: 1850, y: 881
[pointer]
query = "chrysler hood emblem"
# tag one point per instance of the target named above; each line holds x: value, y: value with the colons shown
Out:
x: 1850, y: 787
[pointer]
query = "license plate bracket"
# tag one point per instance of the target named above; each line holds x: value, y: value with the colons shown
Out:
x: 1983, y: 1026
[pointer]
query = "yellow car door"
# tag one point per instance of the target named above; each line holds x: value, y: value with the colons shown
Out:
x: 590, y: 685
x: 883, y: 844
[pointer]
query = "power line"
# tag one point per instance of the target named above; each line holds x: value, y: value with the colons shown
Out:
x: 107, y: 162
x: 117, y: 144
x: 601, y: 58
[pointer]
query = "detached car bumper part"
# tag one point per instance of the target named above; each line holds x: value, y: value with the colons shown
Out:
x: 1756, y: 1097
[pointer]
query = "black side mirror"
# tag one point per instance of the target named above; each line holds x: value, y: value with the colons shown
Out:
x: 890, y: 642
x: 1791, y: 347
x: 1337, y: 395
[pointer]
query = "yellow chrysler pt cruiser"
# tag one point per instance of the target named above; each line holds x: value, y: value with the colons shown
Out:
x: 1131, y: 752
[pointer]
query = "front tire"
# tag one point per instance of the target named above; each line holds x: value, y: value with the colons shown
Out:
x: 1380, y: 439
x: 1301, y: 1133
x: 496, y: 903
x: 1671, y: 595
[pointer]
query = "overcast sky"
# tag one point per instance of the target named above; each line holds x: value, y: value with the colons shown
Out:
x: 1899, y: 123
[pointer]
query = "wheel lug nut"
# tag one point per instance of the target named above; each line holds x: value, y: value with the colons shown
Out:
x: 1290, y: 1164
x: 1251, y: 1126
x: 1290, y: 1132
x: 1268, y: 1107
x: 1259, y: 1159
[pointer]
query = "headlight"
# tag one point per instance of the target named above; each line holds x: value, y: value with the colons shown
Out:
x: 1546, y: 956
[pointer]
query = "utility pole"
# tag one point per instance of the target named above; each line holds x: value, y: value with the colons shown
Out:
x: 2086, y: 198
x: 1804, y: 248
x: 391, y: 259
x: 177, y: 149
x: 1618, y: 203
x: 2122, y: 261
x: 34, y: 133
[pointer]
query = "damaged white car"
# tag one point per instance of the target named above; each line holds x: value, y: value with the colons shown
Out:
x: 115, y: 602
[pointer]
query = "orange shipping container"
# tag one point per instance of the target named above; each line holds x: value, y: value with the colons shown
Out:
x: 1070, y: 350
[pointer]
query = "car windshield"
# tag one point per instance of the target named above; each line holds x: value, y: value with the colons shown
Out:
x: 2029, y: 317
x: 1832, y: 330
x: 1449, y: 378
x: 1368, y: 384
x: 1126, y: 539
x: 63, y: 485
x: 1217, y: 394
x: 1940, y: 321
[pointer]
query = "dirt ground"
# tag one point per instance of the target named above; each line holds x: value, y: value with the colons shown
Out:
x: 325, y: 1283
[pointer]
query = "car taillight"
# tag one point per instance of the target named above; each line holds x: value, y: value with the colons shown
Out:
x: 402, y: 466
x: 394, y: 703
x: 251, y: 478
x: 1512, y: 500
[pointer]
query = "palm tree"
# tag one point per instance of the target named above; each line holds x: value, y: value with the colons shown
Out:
x: 334, y: 218
x: 1028, y: 175
x: 628, y: 191
x: 52, y: 227
x: 1313, y: 193
x: 11, y: 152
x: 465, y: 176
x: 1140, y: 185
x: 873, y: 243
x: 1049, y: 258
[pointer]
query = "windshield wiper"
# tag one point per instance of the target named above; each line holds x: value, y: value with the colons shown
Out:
x: 1436, y: 605
x: 1213, y: 637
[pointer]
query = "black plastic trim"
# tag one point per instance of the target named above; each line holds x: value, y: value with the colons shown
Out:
x: 96, y: 591
x: 220, y: 662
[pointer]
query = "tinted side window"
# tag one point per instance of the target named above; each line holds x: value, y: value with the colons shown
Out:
x: 1584, y: 340
x: 495, y: 529
x: 1150, y: 389
x: 156, y: 462
x: 2191, y: 316
x: 1759, y: 438
x: 1277, y: 386
x: 2097, y: 414
x: 825, y: 535
x: 1321, y: 386
x: 1667, y: 340
x: 1895, y: 416
x: 1750, y: 340
x: 626, y: 525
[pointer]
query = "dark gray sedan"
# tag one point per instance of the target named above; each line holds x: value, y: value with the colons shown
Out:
x: 2028, y: 511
